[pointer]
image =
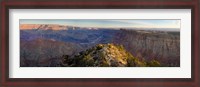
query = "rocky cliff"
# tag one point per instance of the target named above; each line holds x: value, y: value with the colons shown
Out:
x: 162, y: 46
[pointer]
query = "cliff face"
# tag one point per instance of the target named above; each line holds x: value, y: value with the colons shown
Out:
x: 162, y: 46
x: 44, y: 52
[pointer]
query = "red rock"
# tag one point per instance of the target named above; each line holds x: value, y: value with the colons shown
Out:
x: 42, y: 26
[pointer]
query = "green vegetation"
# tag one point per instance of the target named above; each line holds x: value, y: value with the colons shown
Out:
x: 99, y: 46
x: 104, y: 64
x: 153, y: 63
x: 88, y: 60
x: 106, y: 55
x: 132, y: 61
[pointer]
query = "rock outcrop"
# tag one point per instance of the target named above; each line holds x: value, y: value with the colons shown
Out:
x: 162, y: 46
x: 105, y: 55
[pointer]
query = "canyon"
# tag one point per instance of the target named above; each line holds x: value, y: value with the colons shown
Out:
x: 45, y: 45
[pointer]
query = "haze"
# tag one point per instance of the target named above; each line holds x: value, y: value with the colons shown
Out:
x: 109, y: 23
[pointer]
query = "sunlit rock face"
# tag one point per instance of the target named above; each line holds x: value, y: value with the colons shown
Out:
x: 42, y: 27
x: 163, y: 46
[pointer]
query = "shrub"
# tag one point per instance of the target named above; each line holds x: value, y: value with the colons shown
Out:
x: 99, y: 46
x: 134, y: 62
x: 130, y: 62
x: 153, y: 63
x: 104, y: 64
x: 87, y: 60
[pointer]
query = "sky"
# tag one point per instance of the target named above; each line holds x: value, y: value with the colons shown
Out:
x: 109, y: 23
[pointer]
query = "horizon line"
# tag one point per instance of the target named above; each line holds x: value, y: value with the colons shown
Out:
x: 102, y: 27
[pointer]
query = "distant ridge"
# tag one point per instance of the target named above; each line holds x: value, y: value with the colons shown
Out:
x: 42, y: 27
x: 66, y: 27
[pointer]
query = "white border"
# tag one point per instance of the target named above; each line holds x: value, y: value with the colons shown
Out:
x: 184, y: 71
